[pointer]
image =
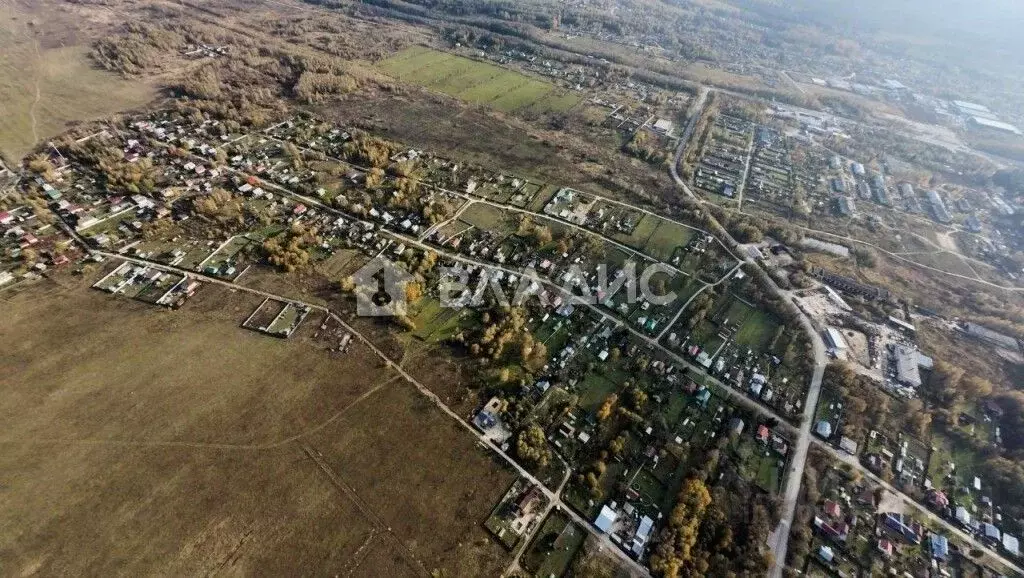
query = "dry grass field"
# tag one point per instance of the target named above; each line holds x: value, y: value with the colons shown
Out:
x: 138, y: 440
x: 46, y: 78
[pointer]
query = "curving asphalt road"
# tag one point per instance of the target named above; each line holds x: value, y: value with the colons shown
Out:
x: 779, y: 539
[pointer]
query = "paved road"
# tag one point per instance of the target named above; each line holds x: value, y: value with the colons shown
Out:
x: 514, y: 568
x: 779, y: 539
x: 696, y: 111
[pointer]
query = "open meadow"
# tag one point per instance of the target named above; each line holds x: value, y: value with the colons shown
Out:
x: 140, y: 440
x: 477, y: 82
x: 47, y: 80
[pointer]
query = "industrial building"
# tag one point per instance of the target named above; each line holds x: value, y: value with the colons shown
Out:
x: 982, y: 123
x: 938, y: 207
x: 835, y: 341
x: 879, y: 191
x: 970, y: 108
x: 972, y: 224
x: 863, y: 191
x: 849, y: 285
x: 994, y: 337
x: 979, y: 117
x: 845, y: 206
x: 906, y: 361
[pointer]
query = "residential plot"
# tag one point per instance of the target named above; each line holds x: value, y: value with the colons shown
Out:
x: 542, y: 198
x: 899, y: 455
x: 585, y: 501
x: 276, y: 317
x: 554, y: 546
x: 227, y: 260
x: 193, y: 255
x: 649, y: 315
x: 342, y: 263
x: 570, y: 205
x: 527, y: 194
x: 757, y: 330
x: 434, y: 322
x: 488, y: 218
x: 637, y: 238
x: 612, y: 218
x: 516, y: 514
x: 785, y: 175
x: 666, y: 238
x: 148, y: 284
x: 952, y: 466
x: 759, y: 463
x: 594, y: 389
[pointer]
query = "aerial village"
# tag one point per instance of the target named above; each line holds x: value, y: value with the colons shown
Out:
x: 613, y: 401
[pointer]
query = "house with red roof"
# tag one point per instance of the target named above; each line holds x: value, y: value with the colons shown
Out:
x: 938, y: 499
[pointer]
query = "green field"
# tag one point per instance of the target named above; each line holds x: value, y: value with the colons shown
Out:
x: 949, y: 449
x: 554, y: 547
x: 757, y: 330
x: 477, y: 82
x: 666, y: 238
x: 684, y: 288
x: 649, y: 487
x: 580, y: 498
x: 594, y: 390
x: 672, y: 409
x: 758, y: 464
x: 488, y: 218
x: 641, y: 233
x: 705, y: 334
x: 542, y: 197
x: 433, y: 321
